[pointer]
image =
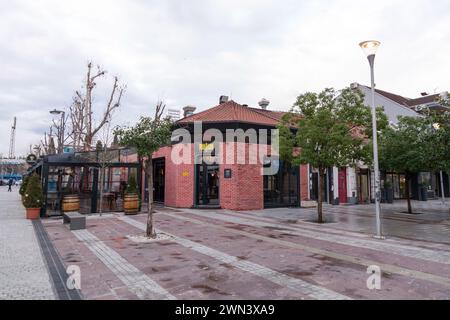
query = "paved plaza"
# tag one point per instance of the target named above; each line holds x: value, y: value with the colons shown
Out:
x: 23, y: 271
x: 271, y: 254
x: 220, y: 254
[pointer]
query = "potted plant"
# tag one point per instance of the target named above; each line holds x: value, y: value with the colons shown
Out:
x: 131, y: 198
x: 389, y: 192
x: 23, y: 187
x: 33, y: 199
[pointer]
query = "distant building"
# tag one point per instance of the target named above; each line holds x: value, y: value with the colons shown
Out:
x: 174, y: 114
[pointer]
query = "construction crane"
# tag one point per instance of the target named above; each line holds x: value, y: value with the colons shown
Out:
x: 12, y: 142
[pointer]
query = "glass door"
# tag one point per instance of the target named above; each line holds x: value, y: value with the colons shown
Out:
x: 208, y: 185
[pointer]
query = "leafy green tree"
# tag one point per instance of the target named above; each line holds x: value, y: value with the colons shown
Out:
x: 328, y: 129
x: 405, y: 149
x: 147, y: 136
x: 438, y: 139
x: 33, y: 197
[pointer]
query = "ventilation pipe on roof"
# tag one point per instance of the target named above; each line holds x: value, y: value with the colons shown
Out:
x: 264, y: 103
x: 223, y: 99
x: 189, y: 111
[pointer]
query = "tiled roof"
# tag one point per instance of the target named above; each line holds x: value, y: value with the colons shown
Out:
x: 233, y: 112
x: 394, y: 97
x: 423, y: 100
x: 407, y: 101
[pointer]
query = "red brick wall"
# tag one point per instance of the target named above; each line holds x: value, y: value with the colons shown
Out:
x: 244, y: 191
x: 304, y: 182
x: 179, y: 180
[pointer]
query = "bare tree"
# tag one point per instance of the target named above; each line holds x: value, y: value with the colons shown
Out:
x: 104, y: 156
x: 84, y: 128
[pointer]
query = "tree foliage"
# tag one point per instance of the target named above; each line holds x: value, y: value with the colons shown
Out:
x: 328, y: 129
x: 23, y: 187
x: 417, y: 144
x: 147, y: 136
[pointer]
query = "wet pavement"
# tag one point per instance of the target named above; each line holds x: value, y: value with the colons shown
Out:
x: 269, y: 254
x: 430, y: 221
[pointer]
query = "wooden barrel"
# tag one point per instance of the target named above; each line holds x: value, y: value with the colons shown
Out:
x: 131, y: 204
x: 71, y: 203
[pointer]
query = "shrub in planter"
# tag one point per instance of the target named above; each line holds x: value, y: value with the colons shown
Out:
x: 33, y: 199
x: 131, y: 199
x: 23, y: 187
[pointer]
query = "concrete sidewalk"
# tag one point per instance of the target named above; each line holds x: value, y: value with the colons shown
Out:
x: 23, y: 272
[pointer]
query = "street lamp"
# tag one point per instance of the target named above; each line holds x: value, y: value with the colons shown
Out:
x: 437, y: 127
x: 370, y: 49
x: 61, y: 129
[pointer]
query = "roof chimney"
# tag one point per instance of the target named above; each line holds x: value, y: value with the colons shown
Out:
x: 423, y: 94
x: 264, y: 103
x: 189, y: 111
x: 354, y: 85
x: 223, y: 99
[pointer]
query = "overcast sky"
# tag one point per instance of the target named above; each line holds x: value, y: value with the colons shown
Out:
x: 191, y: 52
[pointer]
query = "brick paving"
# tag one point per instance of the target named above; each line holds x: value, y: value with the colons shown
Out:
x: 23, y: 272
x: 133, y: 278
x: 221, y: 254
x: 284, y: 280
x: 240, y: 255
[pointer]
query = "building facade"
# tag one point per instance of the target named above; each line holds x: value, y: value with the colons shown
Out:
x: 240, y: 185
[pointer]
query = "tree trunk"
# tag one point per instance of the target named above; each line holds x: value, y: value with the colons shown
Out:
x: 102, y: 183
x: 408, y: 197
x: 320, y: 197
x: 148, y: 167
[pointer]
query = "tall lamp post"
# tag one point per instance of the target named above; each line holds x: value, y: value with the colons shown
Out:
x: 370, y: 49
x: 61, y: 129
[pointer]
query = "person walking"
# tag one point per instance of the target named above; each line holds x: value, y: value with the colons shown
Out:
x: 10, y: 183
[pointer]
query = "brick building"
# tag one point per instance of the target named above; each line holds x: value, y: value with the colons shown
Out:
x: 227, y: 184
x: 243, y: 187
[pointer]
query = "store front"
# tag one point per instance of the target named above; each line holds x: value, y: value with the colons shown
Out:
x: 207, y: 185
x: 282, y: 189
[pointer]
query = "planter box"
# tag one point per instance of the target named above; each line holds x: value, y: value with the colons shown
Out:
x: 33, y: 213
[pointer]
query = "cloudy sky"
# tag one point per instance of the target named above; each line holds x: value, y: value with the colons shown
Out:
x: 191, y: 52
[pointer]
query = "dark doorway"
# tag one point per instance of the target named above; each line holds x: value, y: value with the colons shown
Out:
x: 343, y: 185
x: 363, y: 184
x: 159, y: 174
x: 282, y: 189
x: 207, y: 185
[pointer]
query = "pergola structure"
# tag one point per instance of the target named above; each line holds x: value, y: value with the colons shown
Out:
x: 80, y: 174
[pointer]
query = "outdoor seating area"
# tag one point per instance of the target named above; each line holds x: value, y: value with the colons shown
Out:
x: 86, y: 180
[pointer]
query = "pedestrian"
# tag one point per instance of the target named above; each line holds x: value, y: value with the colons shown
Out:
x: 10, y: 183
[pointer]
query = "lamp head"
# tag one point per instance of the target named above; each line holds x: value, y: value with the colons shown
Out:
x: 55, y: 112
x: 370, y: 47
